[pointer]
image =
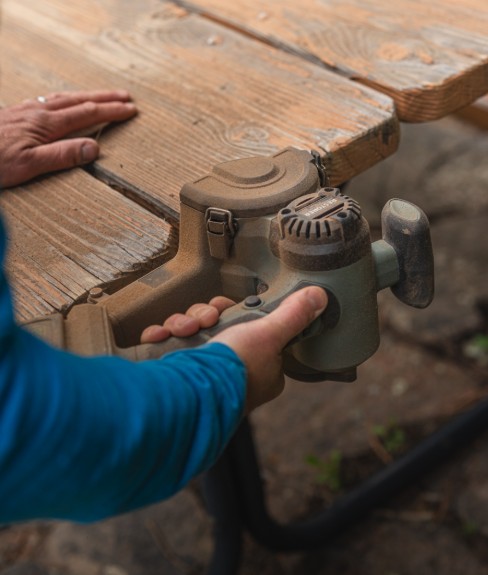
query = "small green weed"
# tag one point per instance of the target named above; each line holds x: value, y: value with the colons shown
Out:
x: 391, y: 436
x: 328, y: 470
x: 477, y: 348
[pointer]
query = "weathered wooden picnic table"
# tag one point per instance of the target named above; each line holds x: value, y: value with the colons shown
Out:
x: 213, y: 81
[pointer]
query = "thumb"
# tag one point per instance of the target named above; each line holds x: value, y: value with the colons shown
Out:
x: 293, y: 315
x: 271, y: 333
x: 259, y: 343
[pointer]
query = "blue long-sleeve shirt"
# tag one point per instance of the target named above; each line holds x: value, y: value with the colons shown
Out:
x: 86, y: 438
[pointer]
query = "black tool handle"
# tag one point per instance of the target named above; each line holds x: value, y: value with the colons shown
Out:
x: 235, y: 314
x: 252, y: 308
x: 406, y: 228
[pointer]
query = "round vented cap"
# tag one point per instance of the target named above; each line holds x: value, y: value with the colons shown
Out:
x: 322, y: 230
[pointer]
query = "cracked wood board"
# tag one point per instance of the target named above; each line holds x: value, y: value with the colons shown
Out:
x: 206, y: 94
x: 430, y: 57
x: 70, y: 233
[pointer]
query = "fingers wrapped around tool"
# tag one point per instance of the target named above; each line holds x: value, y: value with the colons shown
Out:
x: 198, y: 316
x: 260, y: 343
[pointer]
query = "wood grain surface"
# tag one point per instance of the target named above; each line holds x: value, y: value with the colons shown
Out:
x: 431, y: 57
x: 206, y: 93
x: 213, y: 81
x: 70, y: 233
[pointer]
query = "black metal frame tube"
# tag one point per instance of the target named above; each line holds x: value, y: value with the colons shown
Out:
x: 247, y: 494
x: 222, y: 503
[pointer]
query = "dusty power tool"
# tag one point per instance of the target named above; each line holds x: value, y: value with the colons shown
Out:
x: 255, y: 230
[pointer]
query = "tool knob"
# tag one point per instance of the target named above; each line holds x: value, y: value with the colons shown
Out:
x: 406, y: 229
x: 320, y: 231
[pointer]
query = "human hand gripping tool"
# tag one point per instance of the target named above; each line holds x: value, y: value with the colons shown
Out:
x: 255, y: 230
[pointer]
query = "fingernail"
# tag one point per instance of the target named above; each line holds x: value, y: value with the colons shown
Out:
x: 130, y: 106
x: 318, y: 298
x: 89, y: 152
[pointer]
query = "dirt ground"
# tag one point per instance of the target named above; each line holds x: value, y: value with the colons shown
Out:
x: 318, y: 441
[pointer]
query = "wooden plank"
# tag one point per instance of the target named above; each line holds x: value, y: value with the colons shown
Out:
x: 476, y: 114
x: 431, y: 57
x: 206, y: 94
x: 70, y: 233
x: 78, y: 19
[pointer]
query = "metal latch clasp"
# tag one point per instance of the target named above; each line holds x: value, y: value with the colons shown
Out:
x: 221, y: 229
x: 322, y: 170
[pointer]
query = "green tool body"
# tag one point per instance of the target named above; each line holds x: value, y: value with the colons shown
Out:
x: 256, y: 230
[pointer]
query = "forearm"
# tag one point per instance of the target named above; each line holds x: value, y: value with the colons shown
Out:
x: 85, y: 438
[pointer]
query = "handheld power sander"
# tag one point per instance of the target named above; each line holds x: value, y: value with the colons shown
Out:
x: 255, y: 230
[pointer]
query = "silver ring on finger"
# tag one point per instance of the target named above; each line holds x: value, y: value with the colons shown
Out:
x: 42, y: 99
